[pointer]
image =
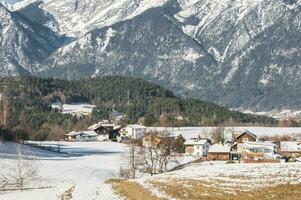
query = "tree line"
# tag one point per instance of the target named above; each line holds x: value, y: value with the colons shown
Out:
x: 25, y: 106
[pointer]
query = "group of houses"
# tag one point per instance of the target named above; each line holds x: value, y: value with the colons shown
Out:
x: 246, y: 147
x: 106, y: 131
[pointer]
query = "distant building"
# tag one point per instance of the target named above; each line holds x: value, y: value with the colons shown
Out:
x: 196, y: 146
x: 105, y: 131
x: 133, y: 131
x: 258, y: 150
x: 247, y: 147
x: 219, y: 152
x: 81, y: 136
x: 151, y: 140
x: 290, y: 146
x: 290, y: 149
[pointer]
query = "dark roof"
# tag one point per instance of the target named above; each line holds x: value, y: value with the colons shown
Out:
x: 249, y: 133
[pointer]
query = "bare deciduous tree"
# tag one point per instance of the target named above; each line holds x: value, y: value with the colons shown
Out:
x: 218, y: 135
x: 20, y: 173
x: 151, y: 159
x: 155, y: 158
x: 25, y: 171
x: 148, y: 160
x: 131, y: 169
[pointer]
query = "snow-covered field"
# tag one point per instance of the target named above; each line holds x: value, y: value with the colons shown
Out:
x: 86, y: 166
x: 75, y: 109
x: 246, y: 176
x: 220, y: 176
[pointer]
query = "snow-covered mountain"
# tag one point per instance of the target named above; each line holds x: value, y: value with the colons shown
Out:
x: 241, y: 53
x: 23, y: 44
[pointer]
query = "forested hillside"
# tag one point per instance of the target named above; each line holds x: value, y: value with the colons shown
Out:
x: 26, y: 106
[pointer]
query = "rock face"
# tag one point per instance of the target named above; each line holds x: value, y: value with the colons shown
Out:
x: 241, y: 53
x: 23, y: 44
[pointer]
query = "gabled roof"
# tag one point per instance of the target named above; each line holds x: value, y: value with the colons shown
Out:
x: 89, y: 133
x: 249, y: 133
x: 258, y: 144
x: 136, y: 126
x: 196, y: 142
x: 98, y: 125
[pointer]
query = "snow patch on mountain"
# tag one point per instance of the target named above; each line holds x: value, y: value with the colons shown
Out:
x: 191, y: 55
x: 77, y: 17
x: 110, y: 33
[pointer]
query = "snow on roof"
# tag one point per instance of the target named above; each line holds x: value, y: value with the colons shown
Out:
x: 218, y: 148
x: 258, y: 144
x: 196, y: 142
x: 249, y: 133
x: 98, y: 125
x: 90, y: 133
x: 136, y: 126
x: 72, y: 133
x: 94, y: 126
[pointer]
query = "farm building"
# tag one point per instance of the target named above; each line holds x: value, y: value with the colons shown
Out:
x: 196, y: 146
x: 219, y: 152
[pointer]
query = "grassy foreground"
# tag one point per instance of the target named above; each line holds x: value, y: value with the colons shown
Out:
x: 197, y: 190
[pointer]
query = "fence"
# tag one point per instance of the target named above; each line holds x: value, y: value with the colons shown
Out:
x: 45, y: 146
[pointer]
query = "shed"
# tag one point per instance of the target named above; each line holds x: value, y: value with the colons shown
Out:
x: 219, y: 152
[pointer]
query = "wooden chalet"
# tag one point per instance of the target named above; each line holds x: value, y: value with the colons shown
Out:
x: 246, y: 136
x: 105, y: 131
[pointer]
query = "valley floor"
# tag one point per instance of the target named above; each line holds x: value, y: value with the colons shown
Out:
x: 88, y: 171
x: 218, y: 181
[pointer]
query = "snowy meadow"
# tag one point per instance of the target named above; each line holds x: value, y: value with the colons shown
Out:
x: 82, y: 167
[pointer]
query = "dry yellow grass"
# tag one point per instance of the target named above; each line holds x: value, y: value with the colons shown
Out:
x: 131, y: 190
x: 67, y: 195
x: 197, y: 190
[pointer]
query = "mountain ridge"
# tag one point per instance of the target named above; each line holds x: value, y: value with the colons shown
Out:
x: 235, y: 53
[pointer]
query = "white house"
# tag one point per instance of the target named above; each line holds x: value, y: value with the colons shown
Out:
x: 196, y: 146
x: 260, y: 150
x: 81, y: 136
x: 133, y: 131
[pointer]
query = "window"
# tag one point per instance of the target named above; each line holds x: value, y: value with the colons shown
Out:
x: 267, y: 150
